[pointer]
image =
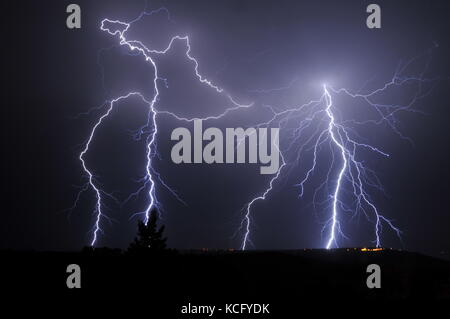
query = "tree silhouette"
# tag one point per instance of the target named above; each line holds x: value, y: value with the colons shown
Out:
x: 149, y: 238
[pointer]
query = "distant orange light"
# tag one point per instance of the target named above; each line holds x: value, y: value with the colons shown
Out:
x: 372, y: 249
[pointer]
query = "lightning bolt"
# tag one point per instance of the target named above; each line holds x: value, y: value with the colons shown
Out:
x: 320, y: 116
x: 340, y: 137
x: 119, y: 29
x: 91, y: 178
x: 245, y: 223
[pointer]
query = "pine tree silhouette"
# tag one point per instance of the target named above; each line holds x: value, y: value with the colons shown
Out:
x: 149, y: 238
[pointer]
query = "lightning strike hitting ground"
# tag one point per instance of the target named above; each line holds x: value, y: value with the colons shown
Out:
x: 120, y: 28
x: 92, y: 183
x: 247, y: 216
x: 320, y: 116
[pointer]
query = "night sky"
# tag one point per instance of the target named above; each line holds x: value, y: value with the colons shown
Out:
x: 51, y: 74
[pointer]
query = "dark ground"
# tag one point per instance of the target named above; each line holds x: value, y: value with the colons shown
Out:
x: 166, y: 281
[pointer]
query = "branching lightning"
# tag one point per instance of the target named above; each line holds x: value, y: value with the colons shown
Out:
x: 319, y: 126
x: 120, y: 28
x: 347, y: 175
